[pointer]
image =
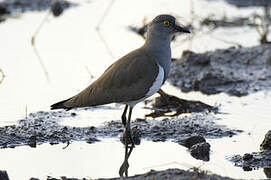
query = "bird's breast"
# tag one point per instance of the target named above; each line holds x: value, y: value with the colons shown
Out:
x: 156, y: 85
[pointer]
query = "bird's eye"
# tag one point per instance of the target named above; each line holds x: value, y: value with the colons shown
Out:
x: 166, y: 23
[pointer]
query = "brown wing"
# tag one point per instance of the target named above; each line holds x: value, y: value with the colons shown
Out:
x: 127, y: 79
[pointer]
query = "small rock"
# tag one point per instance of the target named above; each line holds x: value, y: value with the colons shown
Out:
x: 91, y: 140
x: 266, y: 144
x: 32, y: 141
x: 4, y: 175
x: 247, y: 168
x: 192, y: 140
x: 140, y: 120
x: 53, y: 143
x: 92, y: 127
x: 73, y: 114
x: 201, y: 151
x: 3, y: 10
x: 57, y: 8
x: 247, y: 157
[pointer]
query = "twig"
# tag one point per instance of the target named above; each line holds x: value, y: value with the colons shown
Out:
x: 34, y: 46
x: 227, y: 42
x: 99, y: 26
x: 263, y: 27
x: 2, y: 76
x: 68, y: 143
x: 41, y: 63
x: 192, y: 15
x: 89, y: 72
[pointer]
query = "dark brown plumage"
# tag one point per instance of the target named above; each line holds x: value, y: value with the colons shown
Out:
x: 128, y: 79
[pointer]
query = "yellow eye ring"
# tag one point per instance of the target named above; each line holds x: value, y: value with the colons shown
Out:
x: 166, y: 23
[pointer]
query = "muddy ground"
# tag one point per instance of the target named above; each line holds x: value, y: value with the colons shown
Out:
x: 10, y: 8
x: 189, y: 131
x: 169, y: 174
x: 44, y: 127
x: 256, y: 160
x: 175, y: 174
x: 235, y: 71
x: 249, y: 3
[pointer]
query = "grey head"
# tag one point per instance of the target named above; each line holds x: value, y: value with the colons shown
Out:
x: 159, y: 34
x: 164, y: 26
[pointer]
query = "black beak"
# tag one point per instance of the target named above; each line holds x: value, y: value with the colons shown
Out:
x: 181, y: 29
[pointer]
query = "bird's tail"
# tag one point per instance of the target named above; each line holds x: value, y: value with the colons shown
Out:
x: 60, y: 105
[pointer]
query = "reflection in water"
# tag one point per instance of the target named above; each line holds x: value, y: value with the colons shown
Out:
x: 125, y: 165
x: 2, y: 76
x: 129, y: 140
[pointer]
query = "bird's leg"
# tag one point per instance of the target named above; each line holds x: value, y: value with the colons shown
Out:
x: 128, y: 135
x: 128, y: 132
x: 123, y: 116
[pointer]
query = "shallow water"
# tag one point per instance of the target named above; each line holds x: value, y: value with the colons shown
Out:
x: 72, y: 52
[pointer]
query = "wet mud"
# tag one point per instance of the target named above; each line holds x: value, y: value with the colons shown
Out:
x: 227, y: 22
x: 175, y: 174
x: 249, y: 3
x: 235, y: 71
x: 44, y: 127
x: 169, y: 174
x: 9, y: 8
x: 256, y: 160
x: 167, y: 105
x: 4, y: 175
x: 251, y: 161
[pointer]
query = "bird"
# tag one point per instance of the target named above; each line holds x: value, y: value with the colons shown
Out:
x: 134, y: 77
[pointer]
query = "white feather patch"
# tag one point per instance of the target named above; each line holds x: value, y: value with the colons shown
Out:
x: 157, y: 83
x: 153, y: 89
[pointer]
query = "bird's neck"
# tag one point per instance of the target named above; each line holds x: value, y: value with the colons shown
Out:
x: 156, y: 42
x: 159, y: 48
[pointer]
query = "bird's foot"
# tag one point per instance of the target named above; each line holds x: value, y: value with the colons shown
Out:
x: 133, y: 137
x: 129, y: 138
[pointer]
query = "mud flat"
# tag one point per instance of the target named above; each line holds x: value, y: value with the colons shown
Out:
x: 175, y: 174
x: 256, y: 160
x: 169, y: 174
x: 235, y: 71
x: 43, y: 127
x: 10, y: 7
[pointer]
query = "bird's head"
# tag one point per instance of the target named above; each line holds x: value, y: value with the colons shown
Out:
x: 165, y: 26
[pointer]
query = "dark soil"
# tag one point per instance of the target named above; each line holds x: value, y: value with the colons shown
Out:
x: 256, y: 160
x: 250, y: 161
x: 174, y: 174
x: 266, y: 144
x: 4, y: 175
x: 9, y: 7
x: 201, y: 151
x: 248, y: 3
x: 169, y: 174
x: 235, y: 71
x: 169, y: 106
x: 227, y: 22
x: 43, y: 127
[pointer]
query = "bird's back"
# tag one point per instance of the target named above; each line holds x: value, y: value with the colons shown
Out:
x: 128, y: 79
